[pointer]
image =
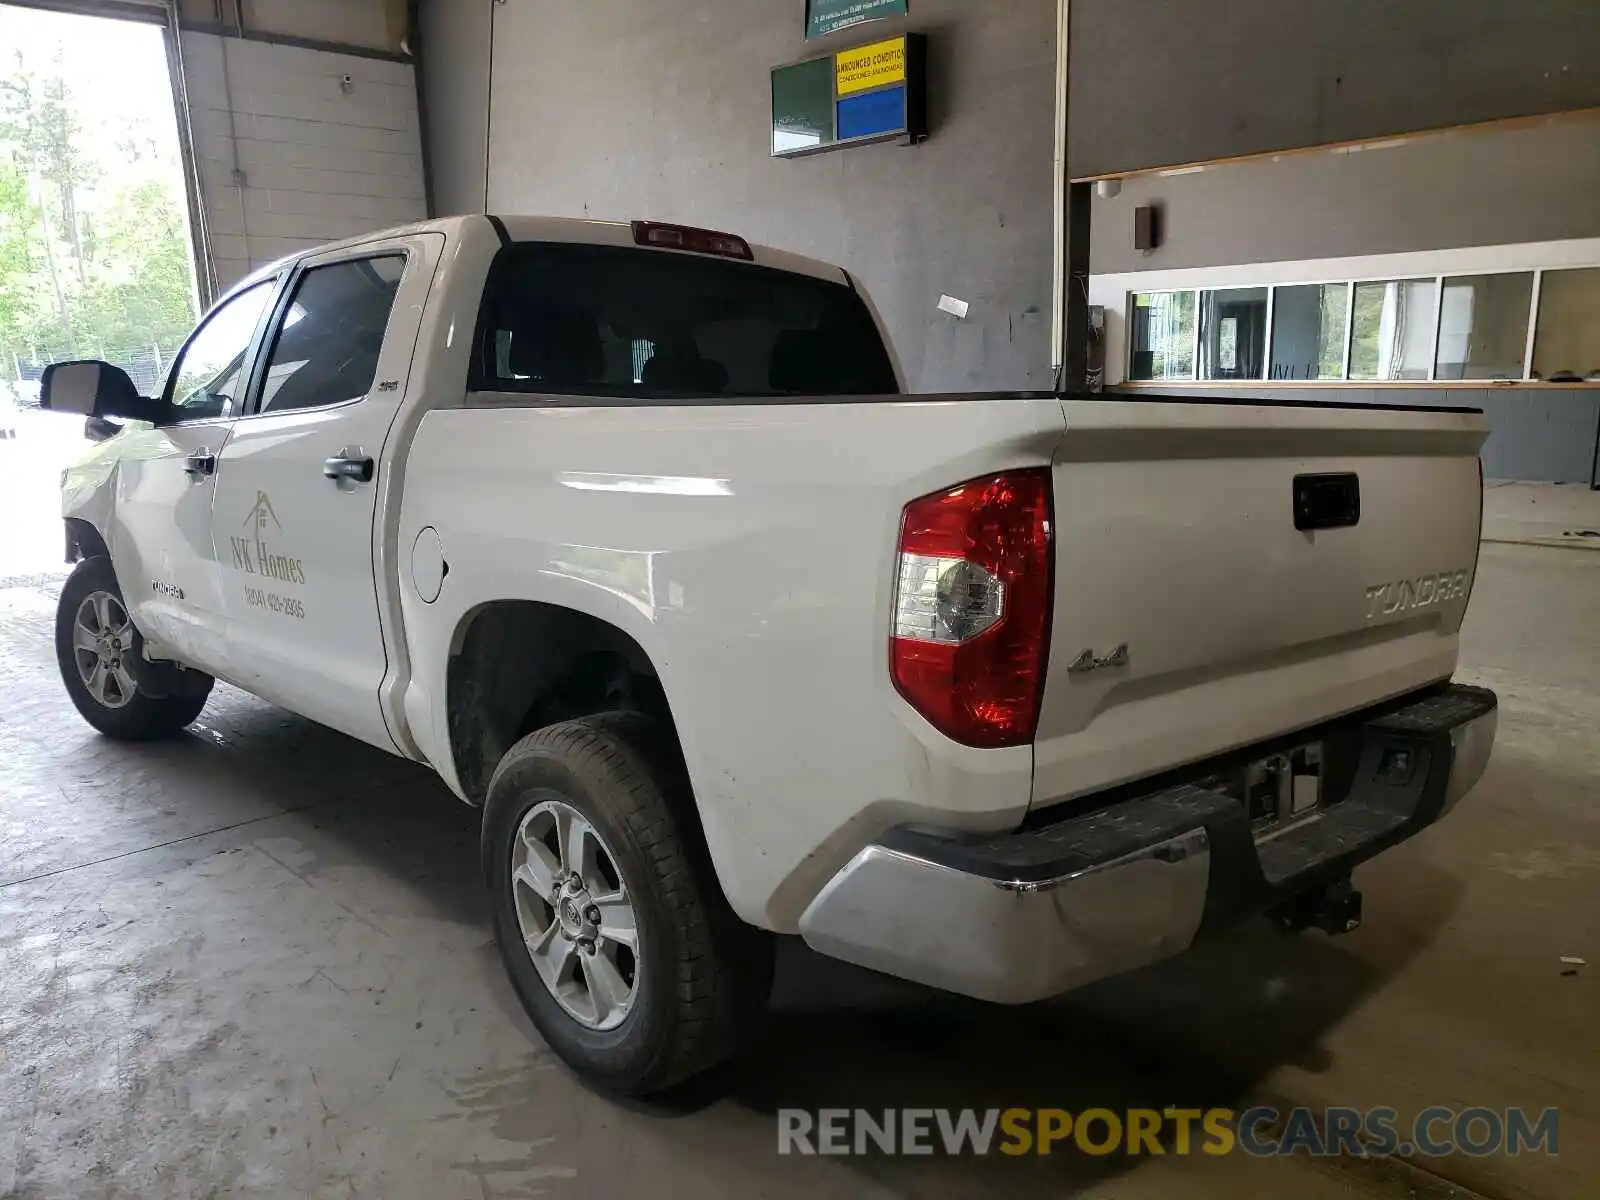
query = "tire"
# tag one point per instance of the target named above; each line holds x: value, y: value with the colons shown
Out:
x: 127, y: 713
x: 700, y: 977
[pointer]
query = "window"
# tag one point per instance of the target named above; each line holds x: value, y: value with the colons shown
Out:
x: 327, y: 349
x: 1162, y: 336
x: 1450, y: 329
x: 1567, y: 345
x: 205, y: 378
x: 621, y: 321
x: 1483, y: 326
x: 1233, y: 333
x: 1393, y: 326
x: 1310, y: 323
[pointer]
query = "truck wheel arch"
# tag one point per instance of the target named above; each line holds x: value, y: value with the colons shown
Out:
x: 519, y: 665
x: 84, y: 541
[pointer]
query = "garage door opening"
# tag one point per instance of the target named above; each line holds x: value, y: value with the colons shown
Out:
x: 96, y: 257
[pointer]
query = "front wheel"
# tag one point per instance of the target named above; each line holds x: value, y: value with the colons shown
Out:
x: 611, y: 923
x: 98, y: 649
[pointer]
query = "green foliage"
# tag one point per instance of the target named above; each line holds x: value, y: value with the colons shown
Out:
x: 94, y: 255
x: 16, y: 258
x: 1330, y: 344
x: 1367, y: 325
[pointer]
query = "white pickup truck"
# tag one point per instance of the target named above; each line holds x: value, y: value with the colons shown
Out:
x: 629, y: 531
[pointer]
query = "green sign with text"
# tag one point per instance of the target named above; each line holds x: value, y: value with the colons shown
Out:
x: 826, y: 16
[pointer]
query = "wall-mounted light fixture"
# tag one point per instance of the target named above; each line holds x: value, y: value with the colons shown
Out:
x: 1147, y: 228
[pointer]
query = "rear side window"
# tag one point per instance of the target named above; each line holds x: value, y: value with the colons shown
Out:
x: 327, y: 349
x: 652, y: 324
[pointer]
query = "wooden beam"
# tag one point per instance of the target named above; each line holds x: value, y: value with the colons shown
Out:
x: 1362, y: 143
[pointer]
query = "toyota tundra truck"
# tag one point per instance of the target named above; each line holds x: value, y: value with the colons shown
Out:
x: 631, y: 533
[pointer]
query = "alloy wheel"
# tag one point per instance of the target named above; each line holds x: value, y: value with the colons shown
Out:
x: 102, y: 646
x: 575, y: 915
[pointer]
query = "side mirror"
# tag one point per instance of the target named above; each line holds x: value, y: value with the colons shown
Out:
x: 93, y: 389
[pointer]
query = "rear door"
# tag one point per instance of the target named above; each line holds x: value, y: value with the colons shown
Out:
x: 299, y: 480
x: 1195, y: 614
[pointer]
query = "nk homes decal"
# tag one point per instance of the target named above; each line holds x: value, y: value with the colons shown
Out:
x: 254, y: 555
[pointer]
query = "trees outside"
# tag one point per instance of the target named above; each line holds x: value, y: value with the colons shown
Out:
x: 94, y: 251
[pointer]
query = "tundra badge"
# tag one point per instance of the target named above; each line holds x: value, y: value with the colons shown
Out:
x: 1403, y: 595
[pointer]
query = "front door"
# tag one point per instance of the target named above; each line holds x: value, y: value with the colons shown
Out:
x: 298, y: 481
x: 160, y: 534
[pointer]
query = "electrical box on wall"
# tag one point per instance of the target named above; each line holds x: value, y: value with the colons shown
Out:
x: 872, y: 93
x: 1146, y: 228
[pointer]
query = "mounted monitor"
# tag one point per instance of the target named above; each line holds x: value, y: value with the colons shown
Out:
x: 873, y: 93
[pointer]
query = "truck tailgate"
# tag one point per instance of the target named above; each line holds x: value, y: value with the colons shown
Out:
x: 1192, y: 616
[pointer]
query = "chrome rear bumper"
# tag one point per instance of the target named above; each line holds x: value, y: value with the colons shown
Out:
x: 1045, y: 910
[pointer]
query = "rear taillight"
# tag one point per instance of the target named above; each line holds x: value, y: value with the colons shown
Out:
x: 972, y: 607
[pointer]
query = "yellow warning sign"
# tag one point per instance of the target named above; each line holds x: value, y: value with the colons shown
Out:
x: 868, y: 67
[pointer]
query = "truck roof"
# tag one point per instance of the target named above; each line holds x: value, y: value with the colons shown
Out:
x: 574, y: 230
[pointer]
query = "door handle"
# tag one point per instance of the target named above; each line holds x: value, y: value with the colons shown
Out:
x: 1331, y: 501
x: 356, y: 469
x: 201, y: 462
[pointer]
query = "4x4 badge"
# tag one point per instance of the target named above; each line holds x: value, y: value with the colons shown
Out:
x: 1087, y: 661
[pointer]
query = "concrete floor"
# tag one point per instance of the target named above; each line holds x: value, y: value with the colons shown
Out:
x: 255, y: 961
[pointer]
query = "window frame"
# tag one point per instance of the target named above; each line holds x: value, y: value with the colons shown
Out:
x: 1274, y: 312
x: 252, y: 353
x: 268, y: 335
x: 1533, y: 321
x: 1349, y: 283
x: 1194, y: 338
x: 1437, y: 281
x: 1528, y: 332
x: 1200, y: 332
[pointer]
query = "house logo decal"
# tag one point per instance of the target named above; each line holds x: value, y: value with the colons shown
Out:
x: 260, y: 513
x: 254, y: 555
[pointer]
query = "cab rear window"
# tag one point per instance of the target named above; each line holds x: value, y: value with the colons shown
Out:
x: 652, y: 324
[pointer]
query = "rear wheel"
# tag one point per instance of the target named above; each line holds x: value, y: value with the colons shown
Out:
x: 611, y: 924
x: 99, y: 653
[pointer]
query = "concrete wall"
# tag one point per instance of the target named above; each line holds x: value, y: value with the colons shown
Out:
x: 454, y: 40
x: 661, y: 108
x: 369, y: 24
x: 1500, y: 198
x: 1522, y: 183
x: 315, y: 162
x: 1156, y: 82
x: 353, y: 22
